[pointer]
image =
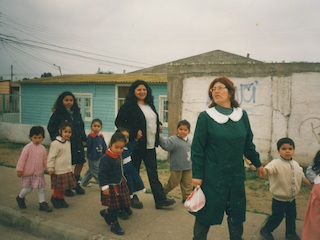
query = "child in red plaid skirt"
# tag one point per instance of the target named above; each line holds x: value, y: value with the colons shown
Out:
x: 59, y: 166
x: 114, y: 190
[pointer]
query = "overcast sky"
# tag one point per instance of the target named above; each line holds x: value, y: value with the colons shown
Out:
x: 80, y: 37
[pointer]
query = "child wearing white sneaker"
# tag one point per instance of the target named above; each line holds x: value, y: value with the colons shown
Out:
x: 96, y: 148
x: 180, y: 161
x: 30, y: 168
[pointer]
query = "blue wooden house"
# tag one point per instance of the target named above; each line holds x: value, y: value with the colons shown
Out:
x: 98, y: 95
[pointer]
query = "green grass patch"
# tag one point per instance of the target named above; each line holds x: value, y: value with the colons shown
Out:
x: 3, y: 164
x: 11, y: 145
x: 251, y: 175
x: 256, y: 211
x: 162, y: 164
x: 148, y: 191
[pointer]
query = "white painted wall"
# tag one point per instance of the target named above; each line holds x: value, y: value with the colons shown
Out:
x: 277, y: 107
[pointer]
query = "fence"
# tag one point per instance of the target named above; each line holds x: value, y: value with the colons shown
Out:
x: 10, y: 108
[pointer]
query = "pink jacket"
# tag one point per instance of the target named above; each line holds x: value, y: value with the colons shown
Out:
x: 33, y: 160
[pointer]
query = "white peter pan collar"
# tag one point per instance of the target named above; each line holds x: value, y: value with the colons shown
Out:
x: 235, y: 116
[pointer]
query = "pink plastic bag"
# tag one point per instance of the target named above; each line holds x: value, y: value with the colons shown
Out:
x: 196, y: 200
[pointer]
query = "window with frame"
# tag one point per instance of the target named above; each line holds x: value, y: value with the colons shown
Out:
x: 163, y: 110
x: 121, y: 93
x: 85, y: 103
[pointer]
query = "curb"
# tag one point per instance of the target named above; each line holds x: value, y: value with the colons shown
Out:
x: 48, y: 229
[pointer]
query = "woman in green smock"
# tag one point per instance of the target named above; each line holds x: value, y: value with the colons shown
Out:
x: 222, y: 137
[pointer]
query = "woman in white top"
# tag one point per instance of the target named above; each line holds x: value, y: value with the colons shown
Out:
x: 138, y: 114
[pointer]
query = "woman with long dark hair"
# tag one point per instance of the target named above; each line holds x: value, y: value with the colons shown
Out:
x: 66, y: 109
x: 139, y: 115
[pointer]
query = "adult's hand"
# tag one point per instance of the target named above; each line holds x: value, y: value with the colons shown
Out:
x: 196, y: 182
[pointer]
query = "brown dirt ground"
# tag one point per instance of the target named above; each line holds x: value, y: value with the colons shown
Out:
x: 258, y: 196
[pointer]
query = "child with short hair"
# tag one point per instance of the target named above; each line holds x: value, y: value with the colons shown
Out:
x: 30, y: 168
x: 134, y: 181
x: 311, y: 223
x: 96, y: 147
x: 285, y: 177
x: 114, y: 190
x: 180, y: 163
x: 59, y: 166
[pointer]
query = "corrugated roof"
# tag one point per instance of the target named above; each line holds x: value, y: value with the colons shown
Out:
x: 100, y: 78
x: 213, y: 57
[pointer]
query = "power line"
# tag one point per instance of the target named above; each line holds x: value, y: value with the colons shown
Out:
x: 7, y: 40
x: 11, y: 24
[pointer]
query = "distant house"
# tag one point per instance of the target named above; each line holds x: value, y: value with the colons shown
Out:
x: 99, y: 96
x: 9, y: 101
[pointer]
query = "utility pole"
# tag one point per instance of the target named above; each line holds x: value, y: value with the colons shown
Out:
x: 11, y: 72
x: 58, y: 68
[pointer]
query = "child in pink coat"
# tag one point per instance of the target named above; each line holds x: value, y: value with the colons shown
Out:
x: 311, y: 224
x: 30, y: 168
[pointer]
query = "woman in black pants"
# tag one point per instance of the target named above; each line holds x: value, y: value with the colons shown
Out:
x: 139, y: 115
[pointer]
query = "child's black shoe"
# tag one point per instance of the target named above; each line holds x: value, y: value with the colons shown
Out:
x: 135, y: 202
x: 44, y: 207
x: 63, y: 203
x: 68, y: 193
x: 21, y: 202
x: 115, y: 228
x: 55, y: 202
x: 266, y: 234
x: 79, y: 190
x: 123, y: 215
x: 106, y: 216
x: 128, y: 211
x: 293, y: 236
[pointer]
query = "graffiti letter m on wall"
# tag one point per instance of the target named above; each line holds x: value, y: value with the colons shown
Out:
x: 247, y: 93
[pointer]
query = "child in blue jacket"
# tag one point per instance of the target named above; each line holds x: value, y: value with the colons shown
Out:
x: 96, y: 148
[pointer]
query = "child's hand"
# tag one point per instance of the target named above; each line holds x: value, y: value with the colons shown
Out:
x: 50, y: 173
x: 84, y: 144
x: 19, y: 173
x: 262, y: 172
x: 106, y: 191
x: 252, y: 167
x: 306, y: 181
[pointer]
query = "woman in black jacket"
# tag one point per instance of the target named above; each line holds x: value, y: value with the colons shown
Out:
x: 138, y: 114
